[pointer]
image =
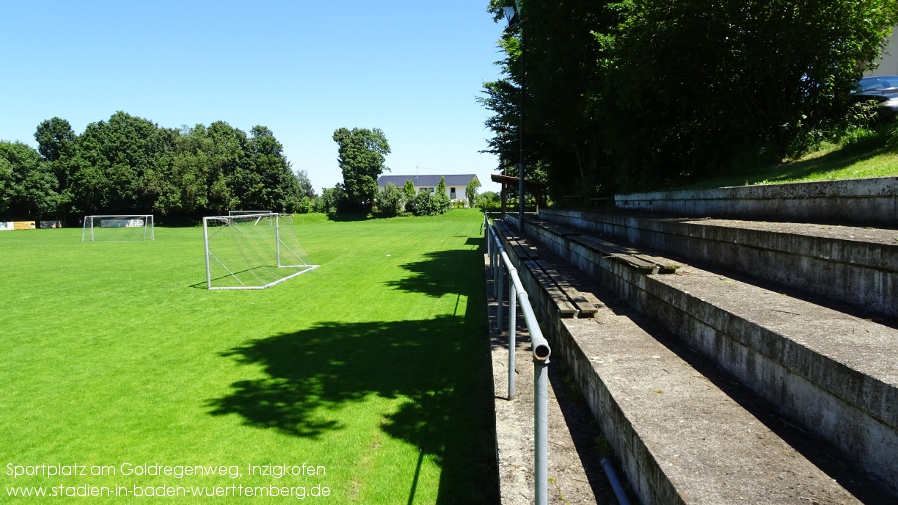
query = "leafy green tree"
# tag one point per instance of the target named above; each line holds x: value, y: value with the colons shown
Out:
x: 630, y: 91
x: 471, y: 192
x: 361, y: 155
x: 28, y: 188
x: 758, y: 75
x: 111, y: 161
x: 198, y: 177
x: 55, y: 139
x: 56, y: 143
x: 305, y: 184
x: 441, y: 199
x: 408, y: 189
x: 270, y: 182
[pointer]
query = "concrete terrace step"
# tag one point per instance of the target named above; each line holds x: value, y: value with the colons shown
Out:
x: 872, y: 201
x: 681, y: 439
x: 831, y: 372
x: 852, y: 265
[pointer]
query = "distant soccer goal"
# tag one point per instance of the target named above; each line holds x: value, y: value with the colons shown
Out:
x: 252, y: 251
x: 117, y: 228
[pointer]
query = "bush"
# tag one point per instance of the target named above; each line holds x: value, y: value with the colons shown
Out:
x: 330, y: 200
x: 423, y: 204
x: 426, y: 203
x: 306, y: 205
x: 389, y: 200
x: 488, y: 201
x: 892, y: 135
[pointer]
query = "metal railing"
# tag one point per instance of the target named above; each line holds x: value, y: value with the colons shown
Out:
x: 541, y: 352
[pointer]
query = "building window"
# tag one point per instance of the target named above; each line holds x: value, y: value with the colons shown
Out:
x: 452, y: 193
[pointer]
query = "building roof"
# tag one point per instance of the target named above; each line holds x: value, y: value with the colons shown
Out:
x: 425, y: 181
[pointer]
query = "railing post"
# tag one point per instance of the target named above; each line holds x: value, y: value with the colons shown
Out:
x: 488, y: 235
x: 498, y: 282
x: 512, y: 328
x: 541, y: 431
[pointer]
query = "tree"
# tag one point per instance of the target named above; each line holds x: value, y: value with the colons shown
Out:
x: 361, y: 155
x: 112, y: 158
x: 630, y: 91
x: 28, y: 188
x: 57, y: 144
x: 55, y: 139
x: 441, y: 199
x: 306, y: 192
x: 471, y: 192
x: 272, y: 184
x: 305, y: 184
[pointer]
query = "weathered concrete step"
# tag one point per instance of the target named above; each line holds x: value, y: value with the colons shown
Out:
x: 871, y: 201
x: 858, y: 266
x: 832, y: 372
x: 680, y: 438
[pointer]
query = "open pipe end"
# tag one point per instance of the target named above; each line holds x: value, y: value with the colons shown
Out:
x: 541, y: 352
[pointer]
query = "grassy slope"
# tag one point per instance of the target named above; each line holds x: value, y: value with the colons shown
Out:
x: 372, y: 366
x: 863, y: 158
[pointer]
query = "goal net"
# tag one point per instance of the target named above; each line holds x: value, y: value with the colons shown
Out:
x: 252, y: 251
x: 117, y: 228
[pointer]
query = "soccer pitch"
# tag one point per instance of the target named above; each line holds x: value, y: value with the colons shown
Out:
x: 364, y: 381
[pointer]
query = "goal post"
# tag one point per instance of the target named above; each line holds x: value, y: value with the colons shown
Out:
x: 252, y: 251
x: 117, y: 228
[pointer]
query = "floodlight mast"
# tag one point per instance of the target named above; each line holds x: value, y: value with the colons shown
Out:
x: 513, y: 15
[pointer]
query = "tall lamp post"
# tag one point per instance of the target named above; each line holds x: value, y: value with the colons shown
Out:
x: 540, y: 374
x: 515, y: 20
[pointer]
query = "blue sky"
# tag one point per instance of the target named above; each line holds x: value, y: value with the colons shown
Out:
x: 302, y: 68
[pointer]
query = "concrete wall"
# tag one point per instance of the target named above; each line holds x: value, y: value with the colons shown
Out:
x: 858, y: 272
x: 858, y: 201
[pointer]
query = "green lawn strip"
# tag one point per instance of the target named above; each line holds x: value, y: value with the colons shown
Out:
x: 371, y: 366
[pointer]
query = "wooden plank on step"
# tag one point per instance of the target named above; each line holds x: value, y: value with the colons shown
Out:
x: 561, y: 278
x: 559, y: 299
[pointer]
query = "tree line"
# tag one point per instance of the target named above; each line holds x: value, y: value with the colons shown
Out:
x: 624, y: 94
x: 130, y: 165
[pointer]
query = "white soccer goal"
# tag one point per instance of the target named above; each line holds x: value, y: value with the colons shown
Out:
x: 117, y: 228
x: 252, y: 251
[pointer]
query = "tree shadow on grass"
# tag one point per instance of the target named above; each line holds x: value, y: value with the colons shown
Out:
x: 443, y: 273
x: 440, y: 367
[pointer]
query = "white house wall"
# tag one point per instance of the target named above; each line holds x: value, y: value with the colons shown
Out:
x: 888, y: 64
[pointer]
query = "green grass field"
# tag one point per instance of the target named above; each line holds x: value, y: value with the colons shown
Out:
x: 372, y: 369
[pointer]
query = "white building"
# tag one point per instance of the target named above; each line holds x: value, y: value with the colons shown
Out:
x: 455, y: 184
x: 888, y: 64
